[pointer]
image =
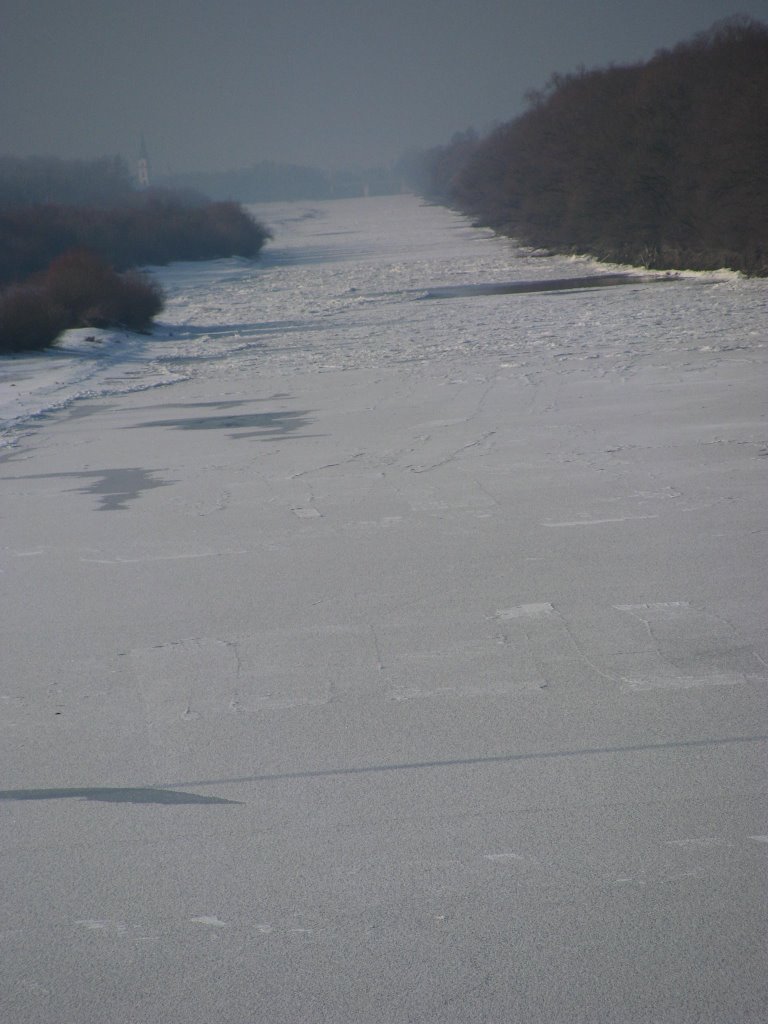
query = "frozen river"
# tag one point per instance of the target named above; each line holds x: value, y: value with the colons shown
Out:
x: 359, y: 284
x: 417, y: 671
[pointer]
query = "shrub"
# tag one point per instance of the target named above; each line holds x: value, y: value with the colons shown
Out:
x: 30, y: 237
x: 95, y: 295
x: 79, y: 282
x: 77, y: 290
x: 138, y: 300
x: 29, y: 320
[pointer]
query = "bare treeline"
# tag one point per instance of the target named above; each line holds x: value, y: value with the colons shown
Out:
x: 663, y: 164
x: 26, y: 181
x: 155, y: 227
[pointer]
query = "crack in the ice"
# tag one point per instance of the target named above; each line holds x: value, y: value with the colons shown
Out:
x: 453, y: 455
x: 234, y: 647
x: 484, y: 491
x: 611, y: 677
x: 377, y: 648
x: 328, y: 465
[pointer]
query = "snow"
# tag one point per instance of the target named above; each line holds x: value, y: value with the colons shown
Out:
x: 403, y: 658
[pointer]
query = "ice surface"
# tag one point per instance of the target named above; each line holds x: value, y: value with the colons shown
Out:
x: 405, y: 660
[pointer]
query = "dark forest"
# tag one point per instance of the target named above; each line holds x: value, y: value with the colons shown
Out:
x: 662, y: 164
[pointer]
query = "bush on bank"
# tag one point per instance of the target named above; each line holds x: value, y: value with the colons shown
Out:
x: 77, y: 290
x: 53, y: 213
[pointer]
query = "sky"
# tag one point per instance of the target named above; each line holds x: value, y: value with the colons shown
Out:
x: 328, y: 83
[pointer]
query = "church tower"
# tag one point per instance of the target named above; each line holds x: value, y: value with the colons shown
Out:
x: 143, y: 165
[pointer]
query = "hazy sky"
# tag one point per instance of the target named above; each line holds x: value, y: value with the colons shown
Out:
x: 226, y: 83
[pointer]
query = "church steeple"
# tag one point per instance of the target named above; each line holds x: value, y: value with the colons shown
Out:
x: 143, y: 165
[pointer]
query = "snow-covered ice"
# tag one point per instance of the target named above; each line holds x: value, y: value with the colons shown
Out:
x: 381, y: 644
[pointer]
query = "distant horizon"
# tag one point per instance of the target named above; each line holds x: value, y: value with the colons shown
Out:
x: 323, y: 84
x: 133, y: 160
